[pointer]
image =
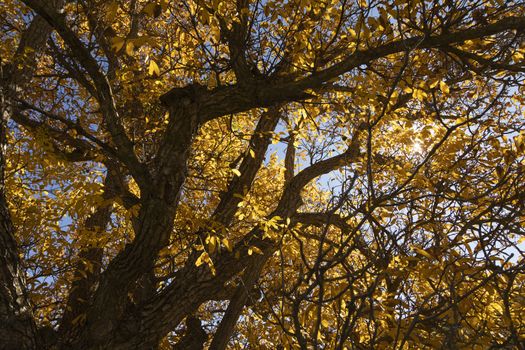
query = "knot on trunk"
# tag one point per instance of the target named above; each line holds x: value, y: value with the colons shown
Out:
x: 183, y: 95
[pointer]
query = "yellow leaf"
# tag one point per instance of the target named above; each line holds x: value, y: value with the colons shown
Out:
x: 423, y: 252
x: 253, y: 249
x: 496, y: 307
x: 227, y: 244
x: 236, y: 172
x: 212, y: 244
x: 202, y: 259
x: 117, y: 43
x: 517, y: 56
x: 419, y: 94
x: 444, y: 87
x: 130, y: 47
x: 153, y: 68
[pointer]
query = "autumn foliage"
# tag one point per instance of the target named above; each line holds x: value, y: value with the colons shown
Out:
x: 277, y: 174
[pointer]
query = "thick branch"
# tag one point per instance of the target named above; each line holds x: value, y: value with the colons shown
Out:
x: 267, y: 92
x: 248, y: 168
x: 237, y: 303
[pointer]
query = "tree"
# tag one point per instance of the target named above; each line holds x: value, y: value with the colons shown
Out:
x: 262, y: 174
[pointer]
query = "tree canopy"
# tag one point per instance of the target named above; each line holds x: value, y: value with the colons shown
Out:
x: 248, y: 174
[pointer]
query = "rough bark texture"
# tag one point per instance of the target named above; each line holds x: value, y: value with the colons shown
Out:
x: 237, y: 302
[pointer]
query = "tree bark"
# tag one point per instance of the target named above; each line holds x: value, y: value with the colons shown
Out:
x: 237, y: 302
